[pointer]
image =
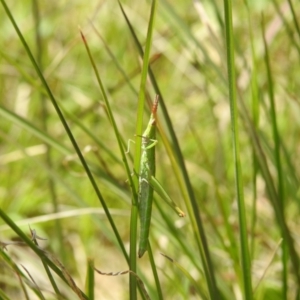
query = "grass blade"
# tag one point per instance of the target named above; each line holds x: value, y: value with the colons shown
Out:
x: 196, y: 220
x: 66, y: 127
x: 41, y: 253
x: 90, y: 280
x: 245, y: 258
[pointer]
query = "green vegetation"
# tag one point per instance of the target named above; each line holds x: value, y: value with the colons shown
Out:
x: 77, y: 82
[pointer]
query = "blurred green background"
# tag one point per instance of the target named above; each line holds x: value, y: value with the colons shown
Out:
x: 43, y: 185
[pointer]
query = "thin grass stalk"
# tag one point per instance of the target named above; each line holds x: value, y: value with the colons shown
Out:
x: 34, y: 285
x: 277, y: 143
x: 94, y: 137
x: 165, y: 140
x: 24, y: 73
x: 291, y: 167
x: 190, y: 201
x: 217, y: 10
x: 112, y: 119
x: 182, y: 27
x: 23, y: 287
x: 155, y: 274
x: 116, y: 62
x: 232, y: 247
x: 45, y: 114
x: 51, y: 279
x: 201, y: 242
x: 195, y: 284
x: 263, y: 165
x: 276, y: 136
x: 289, y: 30
x: 48, y: 272
x: 132, y: 259
x: 255, y: 118
x: 138, y: 145
x: 90, y: 280
x: 67, y: 129
x: 3, y: 296
x: 40, y: 253
x: 60, y: 181
x: 195, y: 216
x: 141, y: 97
x: 295, y: 18
x: 133, y: 238
x: 18, y: 272
x: 43, y: 136
x: 170, y: 227
x: 245, y: 259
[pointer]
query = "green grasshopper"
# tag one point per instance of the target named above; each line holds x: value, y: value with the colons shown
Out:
x: 147, y: 181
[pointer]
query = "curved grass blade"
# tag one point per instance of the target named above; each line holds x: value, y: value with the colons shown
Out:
x: 46, y: 257
x: 66, y: 127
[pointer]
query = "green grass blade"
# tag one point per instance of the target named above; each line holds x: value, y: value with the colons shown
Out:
x: 232, y: 248
x: 138, y: 140
x: 196, y: 219
x: 132, y: 259
x: 187, y: 37
x: 15, y: 119
x: 90, y: 280
x: 48, y: 272
x: 90, y: 133
x: 179, y: 241
x: 255, y: 117
x: 45, y: 121
x: 9, y: 261
x: 35, y: 287
x: 67, y: 129
x: 3, y: 296
x: 187, y: 275
x: 111, y: 117
x: 187, y: 68
x: 155, y: 274
x: 289, y: 30
x: 245, y: 258
x: 139, y: 127
x: 261, y: 158
x: 116, y: 62
x: 295, y: 18
x: 37, y: 250
x: 276, y: 139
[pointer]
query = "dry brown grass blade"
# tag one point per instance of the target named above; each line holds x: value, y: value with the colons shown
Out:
x: 127, y: 272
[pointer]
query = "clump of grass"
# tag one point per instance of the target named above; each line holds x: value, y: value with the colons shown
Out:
x: 226, y: 151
